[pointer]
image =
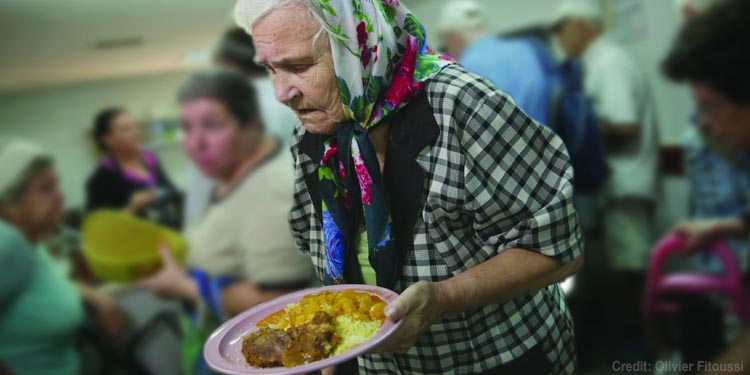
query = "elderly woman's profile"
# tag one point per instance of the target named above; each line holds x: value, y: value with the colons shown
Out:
x: 415, y: 175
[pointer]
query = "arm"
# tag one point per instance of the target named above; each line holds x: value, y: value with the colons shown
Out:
x: 700, y: 233
x: 424, y: 303
x: 17, y: 258
x: 523, y: 271
x: 618, y: 135
x: 241, y: 296
x: 173, y: 282
x: 522, y: 214
x: 108, y: 314
x: 617, y: 100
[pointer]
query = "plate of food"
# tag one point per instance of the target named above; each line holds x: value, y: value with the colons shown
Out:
x: 302, y: 332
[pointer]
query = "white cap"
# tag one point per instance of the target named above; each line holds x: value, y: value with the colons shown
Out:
x: 588, y: 9
x: 15, y: 157
x: 461, y: 15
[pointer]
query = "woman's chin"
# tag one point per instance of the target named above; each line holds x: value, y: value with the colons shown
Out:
x: 315, y: 127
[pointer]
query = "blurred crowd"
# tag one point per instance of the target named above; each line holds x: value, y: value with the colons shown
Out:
x: 631, y: 302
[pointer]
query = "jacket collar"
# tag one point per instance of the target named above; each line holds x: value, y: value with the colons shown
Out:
x: 412, y: 129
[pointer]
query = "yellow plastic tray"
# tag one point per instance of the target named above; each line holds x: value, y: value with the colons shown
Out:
x: 122, y: 248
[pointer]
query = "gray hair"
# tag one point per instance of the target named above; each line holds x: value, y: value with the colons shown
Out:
x: 248, y: 12
x: 226, y: 86
x: 14, y: 193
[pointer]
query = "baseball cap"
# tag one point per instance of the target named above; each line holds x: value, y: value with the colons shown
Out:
x: 461, y: 15
x: 589, y: 9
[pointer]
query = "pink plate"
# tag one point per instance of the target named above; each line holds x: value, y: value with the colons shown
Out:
x: 223, y: 350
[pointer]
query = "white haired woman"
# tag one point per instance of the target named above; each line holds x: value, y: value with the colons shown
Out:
x: 41, y: 311
x: 415, y: 175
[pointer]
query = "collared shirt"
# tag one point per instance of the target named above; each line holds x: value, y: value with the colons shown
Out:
x: 719, y: 185
x: 620, y: 93
x: 469, y: 176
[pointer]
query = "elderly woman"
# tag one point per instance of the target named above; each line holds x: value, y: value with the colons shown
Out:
x: 243, y: 237
x: 41, y: 311
x: 129, y: 177
x: 415, y: 175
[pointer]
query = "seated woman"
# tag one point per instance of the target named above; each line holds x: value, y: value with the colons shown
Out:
x: 244, y: 233
x: 129, y: 177
x: 40, y: 309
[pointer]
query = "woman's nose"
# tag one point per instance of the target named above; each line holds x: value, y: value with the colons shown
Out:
x: 285, y: 91
x: 193, y: 141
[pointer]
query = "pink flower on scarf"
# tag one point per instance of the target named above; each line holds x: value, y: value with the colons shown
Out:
x: 330, y: 150
x: 403, y: 86
x: 365, y: 181
x: 342, y: 171
x: 365, y: 53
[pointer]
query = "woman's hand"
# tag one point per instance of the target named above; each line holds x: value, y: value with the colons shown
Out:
x: 700, y: 233
x: 172, y: 281
x: 419, y: 306
x: 107, y: 312
x: 109, y: 316
x: 141, y: 199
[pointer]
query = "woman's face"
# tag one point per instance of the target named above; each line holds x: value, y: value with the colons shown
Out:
x: 302, y: 74
x: 213, y: 138
x: 40, y: 210
x: 124, y: 134
x: 725, y: 121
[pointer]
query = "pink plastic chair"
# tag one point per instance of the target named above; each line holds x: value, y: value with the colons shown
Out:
x: 658, y: 284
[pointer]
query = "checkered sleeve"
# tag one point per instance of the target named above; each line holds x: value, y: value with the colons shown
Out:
x: 302, y: 205
x: 517, y: 177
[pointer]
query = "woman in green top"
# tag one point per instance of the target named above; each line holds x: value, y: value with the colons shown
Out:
x: 40, y: 309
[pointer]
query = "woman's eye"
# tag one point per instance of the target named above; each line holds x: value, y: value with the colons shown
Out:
x: 298, y: 68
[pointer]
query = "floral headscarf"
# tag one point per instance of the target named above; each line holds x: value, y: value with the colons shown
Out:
x: 381, y: 61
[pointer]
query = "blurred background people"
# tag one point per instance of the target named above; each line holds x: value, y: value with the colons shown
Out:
x: 708, y: 54
x: 620, y: 93
x: 41, y: 311
x: 235, y: 51
x: 512, y: 65
x: 523, y: 64
x: 105, y: 59
x: 242, y: 242
x: 128, y: 176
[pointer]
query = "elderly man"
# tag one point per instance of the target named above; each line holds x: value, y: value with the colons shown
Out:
x: 415, y: 175
x: 621, y: 97
x: 512, y: 65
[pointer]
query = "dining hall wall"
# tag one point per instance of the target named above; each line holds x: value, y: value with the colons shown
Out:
x: 59, y: 118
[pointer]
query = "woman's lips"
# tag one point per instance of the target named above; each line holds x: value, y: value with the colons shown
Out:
x: 303, y: 112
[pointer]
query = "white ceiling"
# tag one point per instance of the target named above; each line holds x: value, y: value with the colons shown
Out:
x: 46, y: 42
x: 50, y: 42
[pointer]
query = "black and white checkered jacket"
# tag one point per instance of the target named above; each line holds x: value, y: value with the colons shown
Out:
x: 470, y: 175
